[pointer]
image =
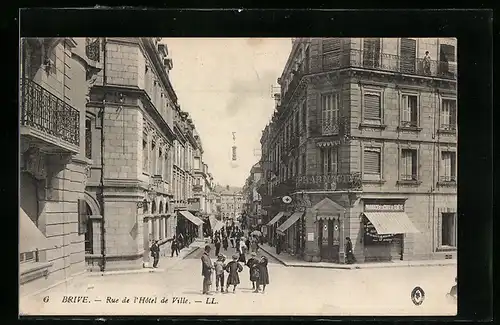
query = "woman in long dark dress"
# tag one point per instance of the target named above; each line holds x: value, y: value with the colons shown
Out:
x: 263, y: 275
x: 233, y: 268
x: 253, y: 268
x: 225, y: 243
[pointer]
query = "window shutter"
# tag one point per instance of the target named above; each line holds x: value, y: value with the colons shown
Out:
x: 371, y: 52
x: 334, y: 160
x: 404, y: 163
x: 372, y: 162
x: 406, y: 109
x: 453, y: 113
x: 408, y: 55
x: 414, y: 164
x: 372, y: 107
x: 331, y: 52
x: 447, y: 53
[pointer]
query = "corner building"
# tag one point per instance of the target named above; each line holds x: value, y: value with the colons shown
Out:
x: 363, y: 139
x: 138, y: 141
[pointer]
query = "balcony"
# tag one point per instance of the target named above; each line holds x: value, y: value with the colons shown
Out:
x: 332, y: 182
x: 197, y: 188
x: 92, y: 48
x: 386, y: 62
x: 331, y: 127
x: 47, y: 120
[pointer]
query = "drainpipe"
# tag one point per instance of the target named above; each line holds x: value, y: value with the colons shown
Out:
x: 101, y: 183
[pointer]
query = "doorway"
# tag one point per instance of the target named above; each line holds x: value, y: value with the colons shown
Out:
x: 329, y: 239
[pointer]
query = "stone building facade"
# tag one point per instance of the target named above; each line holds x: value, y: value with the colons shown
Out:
x: 53, y: 166
x: 363, y: 140
x: 139, y: 143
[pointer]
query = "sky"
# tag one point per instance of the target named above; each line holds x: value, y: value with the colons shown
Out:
x: 225, y: 86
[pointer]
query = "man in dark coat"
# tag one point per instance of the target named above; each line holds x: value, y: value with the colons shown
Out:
x: 155, y: 253
x: 348, y: 251
x: 263, y: 278
x: 206, y: 270
x: 175, y: 247
x: 217, y: 245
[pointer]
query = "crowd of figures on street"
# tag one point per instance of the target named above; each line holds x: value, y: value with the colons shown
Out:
x: 258, y: 273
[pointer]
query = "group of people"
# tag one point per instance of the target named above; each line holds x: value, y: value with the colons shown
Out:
x: 258, y: 272
x: 236, y: 238
x: 178, y: 242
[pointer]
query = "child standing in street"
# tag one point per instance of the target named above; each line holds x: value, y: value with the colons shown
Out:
x: 233, y: 268
x: 219, y: 273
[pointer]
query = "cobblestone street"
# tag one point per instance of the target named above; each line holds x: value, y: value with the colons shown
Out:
x: 292, y: 291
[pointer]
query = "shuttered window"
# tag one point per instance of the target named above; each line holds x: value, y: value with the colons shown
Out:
x: 408, y: 55
x: 409, y: 165
x: 448, y: 166
x: 372, y: 107
x: 331, y: 53
x: 448, y: 114
x: 371, y: 160
x: 329, y: 113
x: 145, y: 163
x: 409, y: 110
x: 446, y: 56
x: 329, y: 160
x: 371, y: 52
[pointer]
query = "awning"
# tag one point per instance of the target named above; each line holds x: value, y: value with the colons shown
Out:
x: 391, y: 223
x: 218, y: 225
x: 30, y: 237
x: 289, y: 222
x: 188, y: 215
x: 276, y: 218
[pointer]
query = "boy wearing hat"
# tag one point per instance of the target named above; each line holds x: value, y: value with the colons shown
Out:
x: 219, y: 273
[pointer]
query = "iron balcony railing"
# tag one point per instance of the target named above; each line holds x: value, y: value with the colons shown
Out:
x: 385, y: 62
x: 448, y: 178
x: 409, y: 177
x: 331, y: 126
x: 92, y: 49
x: 330, y: 181
x: 44, y: 111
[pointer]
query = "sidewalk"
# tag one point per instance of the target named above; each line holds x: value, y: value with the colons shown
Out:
x: 166, y: 262
x: 291, y: 261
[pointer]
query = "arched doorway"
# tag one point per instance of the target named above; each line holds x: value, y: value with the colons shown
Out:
x: 89, y: 234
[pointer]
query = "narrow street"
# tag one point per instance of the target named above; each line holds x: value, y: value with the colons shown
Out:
x: 292, y: 291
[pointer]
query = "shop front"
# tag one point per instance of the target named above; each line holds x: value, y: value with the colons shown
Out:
x: 189, y: 225
x: 272, y: 225
x: 384, y: 225
x: 292, y: 230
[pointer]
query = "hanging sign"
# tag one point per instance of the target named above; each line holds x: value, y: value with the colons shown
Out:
x: 310, y: 236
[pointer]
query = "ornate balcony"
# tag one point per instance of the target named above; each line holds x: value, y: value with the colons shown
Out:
x: 197, y: 188
x: 330, y: 127
x: 48, y: 120
x: 92, y: 48
x: 386, y: 62
x: 332, y: 182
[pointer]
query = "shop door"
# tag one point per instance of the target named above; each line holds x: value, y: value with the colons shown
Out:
x: 329, y: 240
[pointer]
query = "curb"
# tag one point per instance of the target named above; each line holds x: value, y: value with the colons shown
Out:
x: 354, y: 267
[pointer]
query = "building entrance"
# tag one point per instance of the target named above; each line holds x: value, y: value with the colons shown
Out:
x: 329, y: 239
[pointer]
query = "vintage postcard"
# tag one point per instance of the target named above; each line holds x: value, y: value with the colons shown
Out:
x: 238, y: 176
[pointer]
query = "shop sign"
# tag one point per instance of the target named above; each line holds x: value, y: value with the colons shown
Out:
x: 384, y: 207
x: 372, y: 237
x: 326, y: 178
x: 310, y: 236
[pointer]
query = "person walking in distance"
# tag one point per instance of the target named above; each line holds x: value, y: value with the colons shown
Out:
x: 263, y: 274
x: 181, y: 241
x: 253, y: 266
x: 225, y: 243
x: 174, y: 247
x: 206, y: 270
x: 155, y: 253
x: 233, y: 268
x: 219, y: 273
x: 217, y: 245
x: 232, y: 237
x: 348, y: 251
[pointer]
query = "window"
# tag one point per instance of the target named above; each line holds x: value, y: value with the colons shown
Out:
x: 446, y: 59
x: 304, y: 166
x: 145, y: 162
x: 329, y: 160
x: 331, y: 53
x: 82, y: 217
x: 304, y: 116
x: 153, y: 159
x: 409, y: 164
x: 448, y: 165
x: 448, y: 114
x: 196, y: 163
x: 88, y: 138
x: 448, y: 229
x: 372, y: 112
x: 329, y: 113
x: 27, y: 257
x: 408, y: 55
x: 371, y: 52
x: 409, y: 111
x: 160, y: 162
x: 371, y: 163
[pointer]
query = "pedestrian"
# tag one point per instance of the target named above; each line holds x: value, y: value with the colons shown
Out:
x: 206, y: 270
x: 155, y: 253
x: 232, y: 237
x: 219, y: 273
x: 253, y: 267
x: 225, y: 243
x: 217, y: 245
x: 263, y: 274
x: 242, y: 250
x: 233, y: 268
x: 174, y: 247
x: 350, y: 259
x: 255, y: 245
x: 278, y: 244
x: 427, y: 63
x: 248, y: 242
